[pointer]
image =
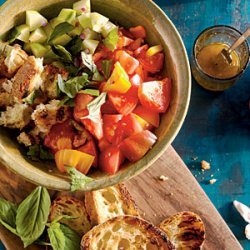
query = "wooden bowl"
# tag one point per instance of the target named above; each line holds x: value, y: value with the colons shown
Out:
x: 127, y: 13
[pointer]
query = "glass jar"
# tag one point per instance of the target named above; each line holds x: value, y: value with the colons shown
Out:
x: 219, y: 34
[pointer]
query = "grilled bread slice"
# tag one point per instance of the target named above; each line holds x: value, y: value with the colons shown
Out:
x: 185, y: 230
x: 123, y: 233
x: 67, y: 205
x: 107, y: 203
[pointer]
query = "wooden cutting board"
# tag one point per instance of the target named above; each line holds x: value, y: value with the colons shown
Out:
x: 156, y: 199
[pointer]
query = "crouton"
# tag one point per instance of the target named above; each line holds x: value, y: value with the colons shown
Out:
x: 49, y: 77
x: 6, y: 98
x: 45, y: 116
x: 25, y: 139
x: 28, y: 77
x: 17, y: 116
x: 11, y: 59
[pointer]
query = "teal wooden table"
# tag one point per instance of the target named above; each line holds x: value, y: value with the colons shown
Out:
x: 217, y: 127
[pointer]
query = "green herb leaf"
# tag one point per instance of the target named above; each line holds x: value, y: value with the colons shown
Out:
x: 32, y: 96
x: 12, y: 35
x: 38, y: 152
x: 8, y: 227
x: 42, y: 243
x: 88, y: 61
x: 73, y: 85
x: 106, y: 68
x: 62, y: 53
x: 64, y: 216
x: 60, y: 30
x: 97, y: 76
x: 93, y: 92
x: 67, y: 101
x: 78, y: 180
x: 72, y: 239
x: 111, y: 40
x: 94, y: 108
x: 75, y: 45
x: 8, y: 212
x: 56, y: 236
x: 32, y: 215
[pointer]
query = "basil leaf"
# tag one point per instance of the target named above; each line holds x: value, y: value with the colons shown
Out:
x: 72, y: 239
x: 94, y: 108
x: 32, y: 215
x: 97, y: 76
x: 64, y: 216
x: 88, y: 61
x: 67, y: 101
x: 73, y: 85
x: 8, y: 212
x: 38, y: 152
x: 78, y: 180
x: 62, y: 53
x: 10, y: 228
x: 106, y: 68
x: 12, y: 35
x: 56, y: 236
x: 75, y: 45
x: 60, y: 30
x: 93, y: 92
x: 111, y: 40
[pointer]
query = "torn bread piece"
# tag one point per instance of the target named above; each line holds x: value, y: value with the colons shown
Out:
x: 185, y: 230
x: 109, y: 202
x: 125, y: 232
x: 11, y: 59
x: 68, y: 205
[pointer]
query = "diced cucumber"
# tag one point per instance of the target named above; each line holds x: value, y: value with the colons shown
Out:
x: 50, y: 55
x: 27, y: 48
x: 90, y: 34
x: 107, y: 28
x: 82, y: 7
x: 38, y: 49
x: 85, y: 21
x: 98, y: 21
x: 67, y: 15
x: 90, y: 45
x: 62, y: 40
x: 24, y: 31
x: 55, y: 21
x: 77, y: 31
x: 48, y: 29
x: 38, y: 36
x: 35, y: 20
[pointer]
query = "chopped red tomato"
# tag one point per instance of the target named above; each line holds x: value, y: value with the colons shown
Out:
x: 124, y: 42
x: 136, y: 44
x: 136, y: 81
x: 129, y: 63
x: 103, y: 144
x: 138, y: 31
x: 61, y: 136
x: 155, y: 95
x: 150, y: 116
x: 108, y: 108
x: 127, y: 126
x: 81, y: 101
x: 152, y: 64
x: 124, y: 32
x: 123, y: 103
x: 90, y: 148
x: 111, y: 159
x: 136, y: 146
x: 110, y: 123
x: 141, y: 51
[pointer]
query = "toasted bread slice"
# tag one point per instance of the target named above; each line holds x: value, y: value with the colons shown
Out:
x: 185, y: 230
x: 67, y: 205
x: 123, y: 233
x: 107, y: 203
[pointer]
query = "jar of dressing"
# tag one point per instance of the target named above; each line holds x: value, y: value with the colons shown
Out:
x: 213, y: 74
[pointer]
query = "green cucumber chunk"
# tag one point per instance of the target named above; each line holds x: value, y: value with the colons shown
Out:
x: 82, y: 6
x: 38, y: 49
x: 67, y: 15
x: 85, y: 21
x: 90, y: 45
x: 35, y: 20
x: 24, y: 31
x: 38, y: 36
x: 61, y: 40
x: 98, y: 21
x: 107, y: 28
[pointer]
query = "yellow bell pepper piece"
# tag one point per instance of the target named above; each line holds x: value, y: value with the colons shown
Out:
x: 154, y: 50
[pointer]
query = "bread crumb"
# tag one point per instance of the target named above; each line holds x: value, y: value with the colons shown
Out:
x: 163, y: 178
x: 205, y: 165
x: 212, y: 181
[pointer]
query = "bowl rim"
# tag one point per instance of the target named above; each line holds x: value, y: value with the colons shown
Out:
x: 56, y: 183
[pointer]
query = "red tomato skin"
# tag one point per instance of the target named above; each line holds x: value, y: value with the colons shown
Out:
x: 110, y: 160
x: 108, y: 108
x: 138, y: 31
x: 123, y: 103
x: 103, y: 144
x: 136, y: 146
x: 110, y: 123
x: 155, y: 95
x: 152, y: 64
x: 90, y: 148
x: 136, y: 44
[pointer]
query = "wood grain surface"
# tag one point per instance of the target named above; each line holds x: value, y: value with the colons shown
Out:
x: 156, y: 199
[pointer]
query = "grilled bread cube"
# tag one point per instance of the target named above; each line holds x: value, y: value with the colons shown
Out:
x: 109, y: 202
x: 185, y: 230
x: 125, y: 232
x: 68, y: 205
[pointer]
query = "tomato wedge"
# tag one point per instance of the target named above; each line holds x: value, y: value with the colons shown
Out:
x: 123, y: 103
x: 138, y: 31
x: 61, y: 136
x: 103, y: 144
x: 155, y: 95
x: 128, y: 62
x: 90, y: 148
x: 75, y: 159
x: 110, y: 123
x: 108, y: 108
x: 81, y: 101
x: 152, y: 64
x: 136, y: 146
x: 111, y: 159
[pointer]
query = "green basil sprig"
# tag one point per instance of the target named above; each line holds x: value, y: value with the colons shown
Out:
x: 60, y: 30
x: 56, y: 236
x: 64, y: 54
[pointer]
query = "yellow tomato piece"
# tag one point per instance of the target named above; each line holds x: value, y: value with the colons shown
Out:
x: 154, y: 50
x: 75, y: 159
x: 118, y: 81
